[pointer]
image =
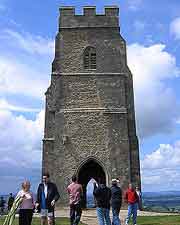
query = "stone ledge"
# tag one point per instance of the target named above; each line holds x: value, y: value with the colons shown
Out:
x: 122, y: 110
x: 88, y: 73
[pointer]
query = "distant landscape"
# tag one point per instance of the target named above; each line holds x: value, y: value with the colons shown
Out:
x: 167, y: 201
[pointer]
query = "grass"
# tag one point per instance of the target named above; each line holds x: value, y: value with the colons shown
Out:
x: 143, y: 220
x: 36, y: 221
x: 158, y: 220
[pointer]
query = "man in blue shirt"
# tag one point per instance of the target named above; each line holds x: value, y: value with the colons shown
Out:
x: 47, y: 195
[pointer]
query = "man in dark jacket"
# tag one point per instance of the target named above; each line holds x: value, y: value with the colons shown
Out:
x: 47, y: 195
x: 102, y: 196
x: 116, y: 201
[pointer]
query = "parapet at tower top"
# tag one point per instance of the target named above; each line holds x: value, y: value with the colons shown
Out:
x: 89, y: 18
x: 89, y: 11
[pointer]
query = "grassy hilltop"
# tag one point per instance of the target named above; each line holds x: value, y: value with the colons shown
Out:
x: 143, y: 220
x: 36, y: 221
x: 159, y: 220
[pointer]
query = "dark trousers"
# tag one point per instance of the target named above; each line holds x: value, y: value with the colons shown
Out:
x: 75, y: 214
x: 25, y: 216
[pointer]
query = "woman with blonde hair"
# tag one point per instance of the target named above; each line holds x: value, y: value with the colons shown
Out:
x: 27, y: 204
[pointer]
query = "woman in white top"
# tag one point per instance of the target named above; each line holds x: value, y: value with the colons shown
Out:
x: 27, y: 204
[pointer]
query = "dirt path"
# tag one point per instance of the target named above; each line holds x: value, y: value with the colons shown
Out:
x: 89, y: 216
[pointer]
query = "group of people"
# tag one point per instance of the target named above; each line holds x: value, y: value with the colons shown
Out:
x: 104, y: 198
x: 48, y: 195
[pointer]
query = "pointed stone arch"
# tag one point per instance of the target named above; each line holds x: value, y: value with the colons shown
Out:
x: 88, y: 169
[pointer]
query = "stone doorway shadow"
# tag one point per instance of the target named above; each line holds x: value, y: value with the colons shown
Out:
x: 90, y: 169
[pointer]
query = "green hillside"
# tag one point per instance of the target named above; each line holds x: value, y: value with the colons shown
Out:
x: 144, y: 220
x: 159, y: 220
x: 36, y: 221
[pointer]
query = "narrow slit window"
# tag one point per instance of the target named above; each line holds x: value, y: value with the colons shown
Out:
x: 90, y: 58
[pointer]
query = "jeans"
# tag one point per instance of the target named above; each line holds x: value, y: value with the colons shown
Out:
x: 75, y: 214
x: 103, y: 216
x: 115, y: 213
x: 132, y: 210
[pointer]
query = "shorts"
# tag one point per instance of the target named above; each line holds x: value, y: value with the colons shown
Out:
x: 45, y: 213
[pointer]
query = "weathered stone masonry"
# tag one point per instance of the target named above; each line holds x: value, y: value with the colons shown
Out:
x: 90, y: 117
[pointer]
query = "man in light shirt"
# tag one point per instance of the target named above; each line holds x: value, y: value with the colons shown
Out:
x: 47, y: 195
x: 75, y: 192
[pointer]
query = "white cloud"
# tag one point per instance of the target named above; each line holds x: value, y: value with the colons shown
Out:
x: 156, y: 104
x: 20, y: 140
x: 161, y: 167
x: 17, y: 74
x: 5, y: 105
x: 166, y: 156
x: 20, y: 150
x: 161, y: 180
x: 17, y: 78
x: 175, y: 28
x: 32, y: 44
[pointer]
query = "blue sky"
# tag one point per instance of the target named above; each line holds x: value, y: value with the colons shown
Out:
x: 152, y: 31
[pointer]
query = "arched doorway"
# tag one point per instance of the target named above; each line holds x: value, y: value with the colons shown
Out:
x: 90, y: 169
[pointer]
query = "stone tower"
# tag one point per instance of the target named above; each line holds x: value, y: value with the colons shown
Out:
x: 90, y: 121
